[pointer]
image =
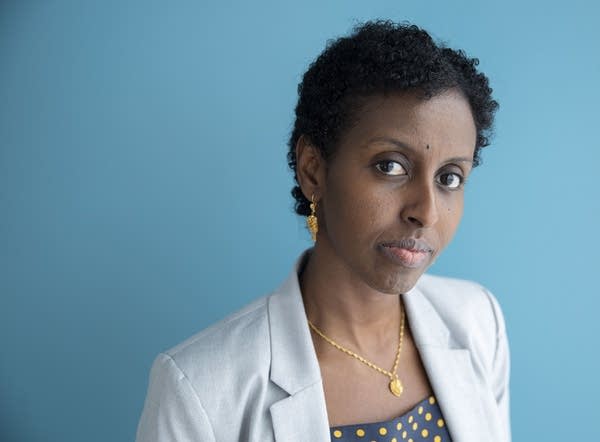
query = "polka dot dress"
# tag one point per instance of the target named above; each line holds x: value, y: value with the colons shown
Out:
x: 422, y: 423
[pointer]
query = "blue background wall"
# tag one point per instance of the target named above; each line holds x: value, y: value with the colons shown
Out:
x: 144, y: 192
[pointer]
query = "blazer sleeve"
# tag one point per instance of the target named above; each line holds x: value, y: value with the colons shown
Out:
x: 172, y: 410
x: 501, y: 367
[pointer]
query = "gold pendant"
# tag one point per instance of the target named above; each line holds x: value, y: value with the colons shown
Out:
x: 396, y: 387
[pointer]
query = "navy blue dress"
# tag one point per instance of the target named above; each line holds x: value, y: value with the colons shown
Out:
x: 424, y: 422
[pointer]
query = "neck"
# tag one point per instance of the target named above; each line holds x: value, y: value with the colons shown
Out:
x: 343, y: 307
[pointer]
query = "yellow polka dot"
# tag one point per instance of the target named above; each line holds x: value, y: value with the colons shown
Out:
x: 427, y: 416
x: 424, y: 432
x: 415, y: 426
x: 432, y: 400
x: 399, y: 426
x: 437, y: 439
x: 360, y: 432
x: 404, y: 434
x: 440, y: 423
x: 383, y: 431
x: 394, y: 439
x: 420, y: 410
x: 410, y: 419
x: 337, y: 433
x: 410, y: 439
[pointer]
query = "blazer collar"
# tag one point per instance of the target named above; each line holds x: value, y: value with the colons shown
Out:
x: 294, y: 364
x: 426, y: 326
x: 449, y: 370
x: 302, y: 415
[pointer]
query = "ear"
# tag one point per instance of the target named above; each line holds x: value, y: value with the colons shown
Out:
x: 310, y: 168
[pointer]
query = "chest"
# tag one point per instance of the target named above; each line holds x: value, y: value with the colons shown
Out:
x: 356, y: 393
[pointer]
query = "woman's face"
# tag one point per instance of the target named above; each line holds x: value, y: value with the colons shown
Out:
x: 392, y: 195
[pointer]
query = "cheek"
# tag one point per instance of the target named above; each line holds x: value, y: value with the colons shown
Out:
x: 450, y: 217
x: 355, y: 209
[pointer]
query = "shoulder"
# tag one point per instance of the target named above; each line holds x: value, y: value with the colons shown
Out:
x: 220, y: 373
x: 469, y: 310
x: 214, y: 377
x: 239, y: 341
x: 457, y: 296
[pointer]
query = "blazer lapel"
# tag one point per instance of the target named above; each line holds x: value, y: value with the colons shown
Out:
x: 295, y: 369
x: 449, y: 370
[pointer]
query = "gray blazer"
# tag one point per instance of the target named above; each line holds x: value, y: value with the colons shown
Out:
x: 255, y: 376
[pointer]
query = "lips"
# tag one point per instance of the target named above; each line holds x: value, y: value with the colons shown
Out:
x: 410, y: 252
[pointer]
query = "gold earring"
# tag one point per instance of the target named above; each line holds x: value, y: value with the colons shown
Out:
x: 311, y: 220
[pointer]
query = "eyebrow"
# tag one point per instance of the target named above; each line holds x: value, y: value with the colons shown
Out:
x: 405, y: 146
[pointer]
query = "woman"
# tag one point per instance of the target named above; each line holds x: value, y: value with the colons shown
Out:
x: 359, y: 344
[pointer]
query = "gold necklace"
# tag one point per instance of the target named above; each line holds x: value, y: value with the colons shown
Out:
x: 395, y: 385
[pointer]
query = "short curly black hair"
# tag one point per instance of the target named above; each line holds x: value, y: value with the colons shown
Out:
x: 381, y: 57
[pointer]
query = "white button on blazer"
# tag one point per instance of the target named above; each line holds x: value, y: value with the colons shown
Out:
x: 254, y: 376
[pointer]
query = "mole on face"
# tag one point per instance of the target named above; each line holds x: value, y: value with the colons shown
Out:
x: 427, y: 147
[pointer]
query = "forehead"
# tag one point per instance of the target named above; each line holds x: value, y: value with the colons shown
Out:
x: 443, y: 122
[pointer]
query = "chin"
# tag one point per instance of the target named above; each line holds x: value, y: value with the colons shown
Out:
x: 398, y: 283
x: 391, y: 277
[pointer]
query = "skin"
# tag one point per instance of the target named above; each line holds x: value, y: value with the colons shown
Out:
x: 397, y: 173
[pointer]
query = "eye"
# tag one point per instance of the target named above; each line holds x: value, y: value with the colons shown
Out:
x: 450, y: 180
x: 388, y: 167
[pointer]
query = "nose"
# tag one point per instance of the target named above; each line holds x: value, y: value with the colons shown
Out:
x: 420, y: 206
